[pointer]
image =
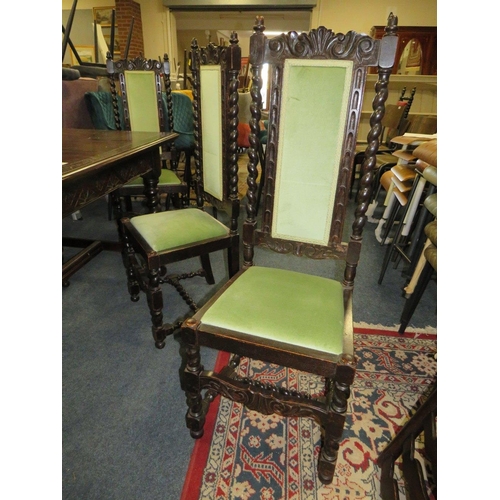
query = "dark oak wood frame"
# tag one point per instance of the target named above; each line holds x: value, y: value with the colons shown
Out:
x: 339, y: 370
x: 116, y: 70
x: 226, y: 56
x: 148, y: 273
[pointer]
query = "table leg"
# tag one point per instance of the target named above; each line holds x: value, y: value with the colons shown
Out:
x: 151, y: 183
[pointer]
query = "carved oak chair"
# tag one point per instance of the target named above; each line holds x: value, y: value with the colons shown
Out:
x: 284, y: 317
x: 142, y: 103
x: 153, y: 241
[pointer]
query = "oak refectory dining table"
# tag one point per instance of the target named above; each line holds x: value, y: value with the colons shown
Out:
x: 95, y: 163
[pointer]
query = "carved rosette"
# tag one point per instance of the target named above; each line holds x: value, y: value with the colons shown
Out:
x: 138, y: 63
x: 212, y: 54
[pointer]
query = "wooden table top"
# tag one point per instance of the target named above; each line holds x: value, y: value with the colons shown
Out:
x: 84, y: 151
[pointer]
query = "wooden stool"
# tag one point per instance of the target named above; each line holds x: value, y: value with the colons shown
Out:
x: 397, y: 196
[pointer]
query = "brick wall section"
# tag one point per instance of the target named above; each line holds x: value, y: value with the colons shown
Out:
x: 125, y: 11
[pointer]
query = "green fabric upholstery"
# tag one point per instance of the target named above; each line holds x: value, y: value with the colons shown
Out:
x: 182, y: 110
x: 313, y: 119
x: 100, y: 106
x: 142, y: 104
x: 172, y: 229
x: 167, y: 177
x: 284, y: 306
x: 211, y: 129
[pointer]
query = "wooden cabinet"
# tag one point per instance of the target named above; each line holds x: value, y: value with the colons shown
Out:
x: 426, y: 36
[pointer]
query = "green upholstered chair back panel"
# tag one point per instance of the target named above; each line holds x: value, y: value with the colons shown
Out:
x: 141, y: 101
x: 211, y: 129
x: 100, y: 106
x: 314, y: 108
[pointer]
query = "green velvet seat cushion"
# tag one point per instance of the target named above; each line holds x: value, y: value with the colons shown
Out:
x: 168, y: 230
x: 167, y: 177
x: 284, y: 306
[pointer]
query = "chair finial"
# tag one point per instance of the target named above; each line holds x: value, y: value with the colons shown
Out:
x: 259, y: 24
x: 110, y: 66
x: 166, y: 64
x: 392, y: 23
x: 233, y: 39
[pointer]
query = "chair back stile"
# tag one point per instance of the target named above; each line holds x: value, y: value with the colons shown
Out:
x: 168, y: 92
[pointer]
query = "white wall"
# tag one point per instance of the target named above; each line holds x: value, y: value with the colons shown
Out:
x: 86, y: 4
x: 154, y: 28
x: 361, y: 15
x: 338, y: 15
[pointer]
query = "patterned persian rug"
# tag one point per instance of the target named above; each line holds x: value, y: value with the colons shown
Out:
x: 246, y: 455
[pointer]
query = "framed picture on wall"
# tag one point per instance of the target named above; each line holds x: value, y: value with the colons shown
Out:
x: 107, y: 39
x: 86, y: 53
x: 103, y: 15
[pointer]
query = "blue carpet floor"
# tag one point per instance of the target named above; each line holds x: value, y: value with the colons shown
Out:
x: 123, y: 434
